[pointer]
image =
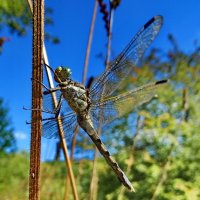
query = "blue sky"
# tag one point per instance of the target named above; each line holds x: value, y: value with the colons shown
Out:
x: 71, y: 24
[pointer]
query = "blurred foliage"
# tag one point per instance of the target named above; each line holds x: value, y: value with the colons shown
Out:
x: 158, y: 145
x: 7, y: 139
x: 15, y: 15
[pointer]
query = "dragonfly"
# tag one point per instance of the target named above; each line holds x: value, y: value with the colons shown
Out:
x: 78, y: 104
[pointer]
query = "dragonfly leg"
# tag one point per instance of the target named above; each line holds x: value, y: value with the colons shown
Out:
x: 45, y: 119
x: 51, y: 90
x: 58, y: 107
x: 48, y: 90
x: 40, y: 83
x: 52, y: 70
x: 45, y: 111
x: 49, y: 67
x: 56, y: 111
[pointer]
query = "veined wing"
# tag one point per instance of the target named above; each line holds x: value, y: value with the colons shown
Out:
x: 114, y: 107
x: 48, y: 103
x: 121, y: 67
x: 50, y: 127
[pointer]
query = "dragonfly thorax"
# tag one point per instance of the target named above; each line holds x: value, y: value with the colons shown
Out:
x: 76, y: 97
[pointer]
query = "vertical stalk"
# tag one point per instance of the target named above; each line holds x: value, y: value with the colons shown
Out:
x: 36, y: 125
x: 163, y: 175
x: 86, y: 65
x: 83, y: 81
x: 131, y: 158
x: 109, y: 37
x: 63, y: 142
x: 89, y: 42
x: 94, y: 178
x: 164, y: 171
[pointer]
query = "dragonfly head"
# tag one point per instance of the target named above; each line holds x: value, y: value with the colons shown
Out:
x: 62, y: 74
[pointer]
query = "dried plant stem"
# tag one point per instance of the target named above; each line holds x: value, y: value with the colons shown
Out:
x: 185, y: 104
x: 86, y: 64
x: 89, y: 42
x: 63, y: 142
x: 83, y: 81
x: 109, y: 38
x: 36, y: 125
x: 30, y: 5
x: 163, y: 176
x: 131, y: 158
x: 61, y: 134
x: 94, y: 178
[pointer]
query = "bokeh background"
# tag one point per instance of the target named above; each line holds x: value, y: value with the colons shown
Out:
x: 157, y: 144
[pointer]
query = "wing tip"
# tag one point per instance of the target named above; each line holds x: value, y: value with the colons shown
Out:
x: 164, y: 81
x: 153, y: 19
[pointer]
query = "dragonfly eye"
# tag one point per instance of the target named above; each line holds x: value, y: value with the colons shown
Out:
x: 62, y: 74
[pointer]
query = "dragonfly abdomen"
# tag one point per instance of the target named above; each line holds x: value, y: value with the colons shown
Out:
x: 86, y: 124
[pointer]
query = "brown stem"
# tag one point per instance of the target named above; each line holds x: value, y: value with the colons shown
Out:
x: 94, y: 178
x: 89, y: 42
x: 86, y: 65
x: 185, y: 104
x: 131, y: 158
x: 36, y: 125
x: 83, y: 81
x: 109, y: 38
x: 163, y: 175
x: 63, y: 142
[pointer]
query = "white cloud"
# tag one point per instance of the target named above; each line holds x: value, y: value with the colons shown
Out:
x: 21, y: 135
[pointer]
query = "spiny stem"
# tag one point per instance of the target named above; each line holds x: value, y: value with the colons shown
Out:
x: 36, y: 125
x: 63, y: 142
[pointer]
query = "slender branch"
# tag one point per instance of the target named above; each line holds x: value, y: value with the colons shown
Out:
x: 109, y: 37
x: 131, y: 158
x: 86, y: 66
x: 61, y: 133
x: 163, y: 175
x: 36, y: 125
x: 83, y: 81
x: 94, y: 178
x: 185, y: 104
x: 89, y: 42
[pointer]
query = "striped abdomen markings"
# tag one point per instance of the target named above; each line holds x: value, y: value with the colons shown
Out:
x: 86, y: 124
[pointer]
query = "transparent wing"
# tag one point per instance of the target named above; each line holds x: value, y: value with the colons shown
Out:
x: 114, y: 107
x: 50, y: 127
x: 109, y: 81
x: 48, y: 103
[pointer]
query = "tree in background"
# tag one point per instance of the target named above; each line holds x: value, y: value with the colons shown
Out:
x: 162, y: 154
x: 7, y: 139
x: 15, y: 16
x: 157, y: 145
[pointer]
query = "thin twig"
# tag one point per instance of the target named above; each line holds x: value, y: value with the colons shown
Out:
x: 86, y: 66
x: 163, y: 175
x: 83, y: 81
x: 94, y: 178
x: 131, y: 158
x: 185, y: 104
x: 109, y: 37
x: 89, y: 42
x: 61, y: 133
x: 36, y: 125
